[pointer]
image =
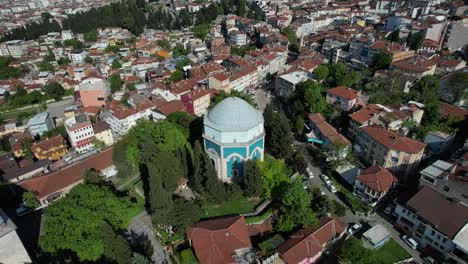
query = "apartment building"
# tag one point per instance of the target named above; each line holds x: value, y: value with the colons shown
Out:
x: 197, y: 101
x: 373, y: 183
x: 94, y: 92
x: 399, y: 154
x: 343, y: 97
x: 77, y: 56
x: 121, y: 118
x: 13, y: 48
x: 80, y: 133
x: 103, y: 133
x: 437, y: 223
x: 237, y: 38
x: 40, y: 123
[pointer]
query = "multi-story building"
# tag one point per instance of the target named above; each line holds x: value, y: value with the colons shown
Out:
x: 197, y: 101
x: 77, y: 56
x: 373, y: 183
x: 237, y: 38
x: 67, y: 34
x: 13, y: 48
x: 122, y: 118
x: 40, y: 123
x: 399, y: 154
x: 285, y: 84
x: 80, y: 133
x: 94, y: 92
x: 103, y: 133
x: 53, y: 148
x: 437, y: 223
x: 343, y: 97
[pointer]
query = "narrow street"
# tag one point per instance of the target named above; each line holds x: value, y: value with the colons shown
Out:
x: 350, y: 217
x: 141, y: 226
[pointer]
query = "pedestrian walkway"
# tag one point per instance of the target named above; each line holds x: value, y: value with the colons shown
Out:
x: 141, y: 226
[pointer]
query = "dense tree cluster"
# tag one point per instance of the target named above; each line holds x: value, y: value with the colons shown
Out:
x: 7, y: 72
x: 74, y: 223
x: 134, y: 15
x: 278, y: 137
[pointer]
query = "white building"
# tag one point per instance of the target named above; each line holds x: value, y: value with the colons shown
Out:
x: 237, y: 38
x: 67, y: 34
x: 286, y: 83
x: 80, y: 132
x: 77, y: 56
x: 12, y: 250
x: 434, y: 221
x: 121, y: 118
x: 14, y: 48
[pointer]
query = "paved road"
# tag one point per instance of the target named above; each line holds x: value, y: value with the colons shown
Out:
x: 352, y: 218
x: 56, y: 109
x: 141, y: 225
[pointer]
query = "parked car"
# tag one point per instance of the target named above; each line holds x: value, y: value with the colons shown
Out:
x: 332, y: 188
x: 322, y: 192
x: 325, y: 178
x: 310, y: 174
x: 388, y: 210
x: 429, y: 260
x: 410, y: 242
x: 354, y: 229
x: 306, y: 183
x: 22, y: 210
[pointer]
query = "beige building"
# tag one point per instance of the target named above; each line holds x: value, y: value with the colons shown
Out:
x: 399, y: 154
x: 103, y: 133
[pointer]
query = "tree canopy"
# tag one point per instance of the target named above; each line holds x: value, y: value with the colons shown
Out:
x: 274, y: 173
x: 278, y: 137
x: 74, y: 222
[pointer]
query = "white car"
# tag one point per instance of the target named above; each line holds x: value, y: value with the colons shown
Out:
x: 410, y: 242
x: 332, y: 188
x: 388, y: 210
x: 354, y: 229
x: 325, y: 178
x: 310, y: 173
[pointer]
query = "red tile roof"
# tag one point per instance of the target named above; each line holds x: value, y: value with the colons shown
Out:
x: 43, y: 186
x: 445, y: 215
x: 366, y: 113
x: 393, y: 140
x: 216, y: 240
x: 450, y: 110
x: 327, y: 130
x: 377, y: 178
x: 344, y: 92
x: 310, y: 242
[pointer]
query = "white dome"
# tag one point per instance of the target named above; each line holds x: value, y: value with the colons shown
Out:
x: 233, y: 115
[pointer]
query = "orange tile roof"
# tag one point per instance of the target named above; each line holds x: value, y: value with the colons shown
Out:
x: 393, y: 140
x: 377, y: 178
x: 43, y: 186
x: 344, y: 92
x: 216, y: 240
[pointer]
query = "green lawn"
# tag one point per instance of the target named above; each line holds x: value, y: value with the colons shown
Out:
x: 258, y: 218
x: 238, y: 206
x: 187, y: 257
x: 390, y: 253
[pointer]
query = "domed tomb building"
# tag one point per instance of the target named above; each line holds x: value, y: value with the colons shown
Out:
x: 233, y: 133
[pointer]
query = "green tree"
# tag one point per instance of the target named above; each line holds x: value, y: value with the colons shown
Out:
x: 197, y: 179
x: 223, y: 95
x: 46, y: 16
x: 115, y: 83
x: 63, y: 61
x: 321, y: 205
x: 27, y: 143
x: 415, y: 41
x: 74, y: 222
x: 91, y: 36
x: 278, y: 135
x: 54, y: 90
x: 394, y: 36
x: 92, y: 177
x: 274, y: 174
x: 288, y: 32
x: 310, y: 93
x: 176, y: 76
x: 426, y: 89
x: 139, y: 259
x: 252, y: 179
x: 45, y: 65
x: 340, y: 74
x: 352, y: 251
x: 338, y: 209
x: 88, y: 59
x: 116, y: 247
x: 116, y: 64
x: 382, y: 60
x: 30, y: 200
x: 200, y: 31
x: 184, y: 213
x: 295, y: 211
x: 321, y: 72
